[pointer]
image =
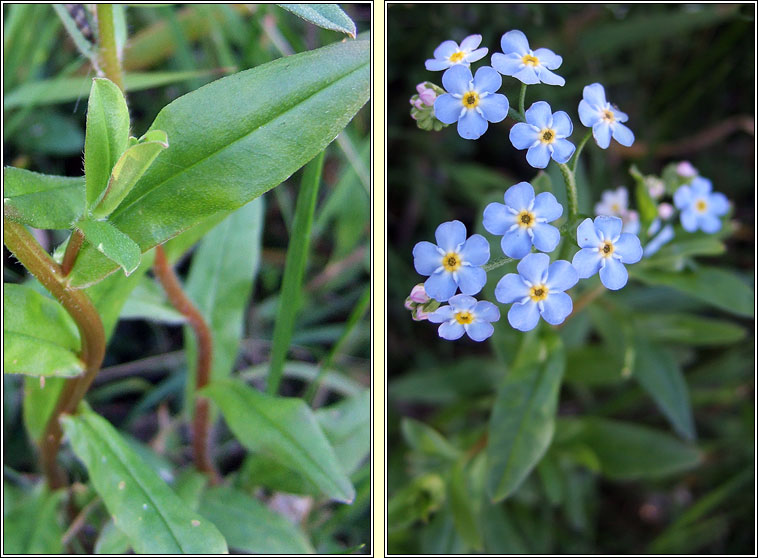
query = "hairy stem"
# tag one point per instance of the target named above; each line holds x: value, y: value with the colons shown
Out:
x: 200, y: 422
x: 28, y: 251
x: 579, y: 148
x: 107, y: 54
x: 570, y: 180
x: 521, y: 99
x: 72, y: 250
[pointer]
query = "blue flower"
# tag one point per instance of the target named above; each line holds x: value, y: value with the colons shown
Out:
x: 454, y: 262
x: 606, y: 249
x: 700, y: 208
x: 605, y: 120
x: 666, y: 234
x: 537, y: 290
x: 544, y: 135
x: 450, y: 54
x: 465, y: 315
x: 523, y: 220
x: 523, y: 63
x: 471, y: 101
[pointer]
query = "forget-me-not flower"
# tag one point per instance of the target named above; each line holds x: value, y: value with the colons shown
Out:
x: 465, y: 315
x: 605, y: 120
x: 537, y: 290
x: 606, y: 249
x: 454, y: 262
x: 449, y: 54
x: 526, y: 65
x: 544, y: 135
x: 471, y: 101
x: 523, y: 220
x: 616, y: 203
x: 700, y: 208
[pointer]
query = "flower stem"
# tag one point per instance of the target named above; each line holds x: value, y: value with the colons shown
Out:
x: 521, y: 99
x: 494, y: 264
x: 571, y: 195
x: 200, y: 423
x: 72, y: 250
x: 28, y: 251
x: 107, y: 54
x: 579, y: 148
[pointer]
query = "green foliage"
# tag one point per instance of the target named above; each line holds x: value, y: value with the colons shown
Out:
x: 41, y: 200
x: 328, y: 16
x: 31, y: 522
x: 112, y: 243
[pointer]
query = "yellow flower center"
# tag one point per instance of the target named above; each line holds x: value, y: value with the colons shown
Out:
x: 606, y: 249
x: 470, y: 100
x: 547, y: 135
x: 464, y: 317
x: 457, y: 56
x: 452, y: 261
x: 615, y: 207
x: 538, y: 292
x: 608, y: 116
x: 701, y: 206
x: 530, y: 60
x: 525, y: 218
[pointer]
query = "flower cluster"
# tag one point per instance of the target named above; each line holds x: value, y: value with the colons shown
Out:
x: 530, y: 224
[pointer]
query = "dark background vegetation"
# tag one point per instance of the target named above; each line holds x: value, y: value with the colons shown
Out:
x: 141, y: 386
x: 685, y: 75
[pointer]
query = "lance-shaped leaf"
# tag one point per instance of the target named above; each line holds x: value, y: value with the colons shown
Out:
x: 40, y: 338
x: 31, y: 524
x: 107, y: 135
x: 142, y: 505
x: 523, y: 417
x: 347, y: 425
x: 40, y: 398
x: 42, y: 201
x: 110, y: 241
x: 285, y: 429
x: 129, y: 168
x: 234, y: 139
x: 328, y: 16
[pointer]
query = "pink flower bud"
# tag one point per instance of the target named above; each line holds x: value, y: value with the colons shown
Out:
x: 655, y: 186
x: 418, y: 294
x: 421, y: 87
x: 665, y: 211
x: 686, y: 169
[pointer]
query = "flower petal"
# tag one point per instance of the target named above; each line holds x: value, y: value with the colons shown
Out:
x: 441, y: 286
x: 527, y: 75
x: 472, y: 125
x: 479, y: 331
x: 434, y: 65
x: 514, y: 41
x: 547, y: 207
x: 548, y: 58
x: 622, y: 134
x: 487, y: 80
x: 476, y: 250
x: 462, y: 302
x: 471, y: 279
x: 563, y: 149
x: 683, y: 197
x: 494, y: 107
x: 561, y: 276
x: 524, y: 317
x: 485, y: 311
x: 471, y: 42
x: 511, y: 288
x: 688, y: 218
x: 586, y: 262
x: 442, y: 314
x: 609, y: 225
x: 613, y: 274
x: 594, y: 94
x: 629, y: 248
x: 516, y: 243
x: 519, y: 196
x: 546, y: 237
x: 426, y: 258
x: 601, y: 131
x: 506, y: 64
x: 619, y: 115
x: 534, y: 267
x: 538, y: 156
x: 523, y: 135
x: 701, y: 186
x: 447, y: 108
x: 586, y: 235
x: 451, y: 330
x: 497, y: 219
x: 718, y: 203
x: 562, y: 124
x: 709, y: 223
x: 550, y: 78
x: 556, y: 307
x: 588, y: 115
x: 450, y: 235
x: 476, y: 55
x: 539, y: 114
x: 457, y: 79
x: 445, y: 49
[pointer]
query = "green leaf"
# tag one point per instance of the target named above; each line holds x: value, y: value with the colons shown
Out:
x: 148, y: 301
x: 33, y: 527
x: 40, y: 398
x: 718, y: 287
x: 628, y: 451
x: 129, y: 169
x: 51, y: 133
x: 658, y: 373
x: 251, y: 527
x: 236, y: 138
x: 283, y: 428
x: 467, y: 521
x: 220, y: 281
x: 347, y: 426
x: 328, y: 16
x: 418, y: 499
x: 106, y: 137
x: 154, y: 518
x: 294, y: 269
x: 426, y: 440
x: 645, y: 203
x: 111, y: 540
x: 593, y: 365
x: 688, y: 328
x: 523, y: 416
x: 42, y: 201
x: 110, y: 241
x: 685, y: 247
